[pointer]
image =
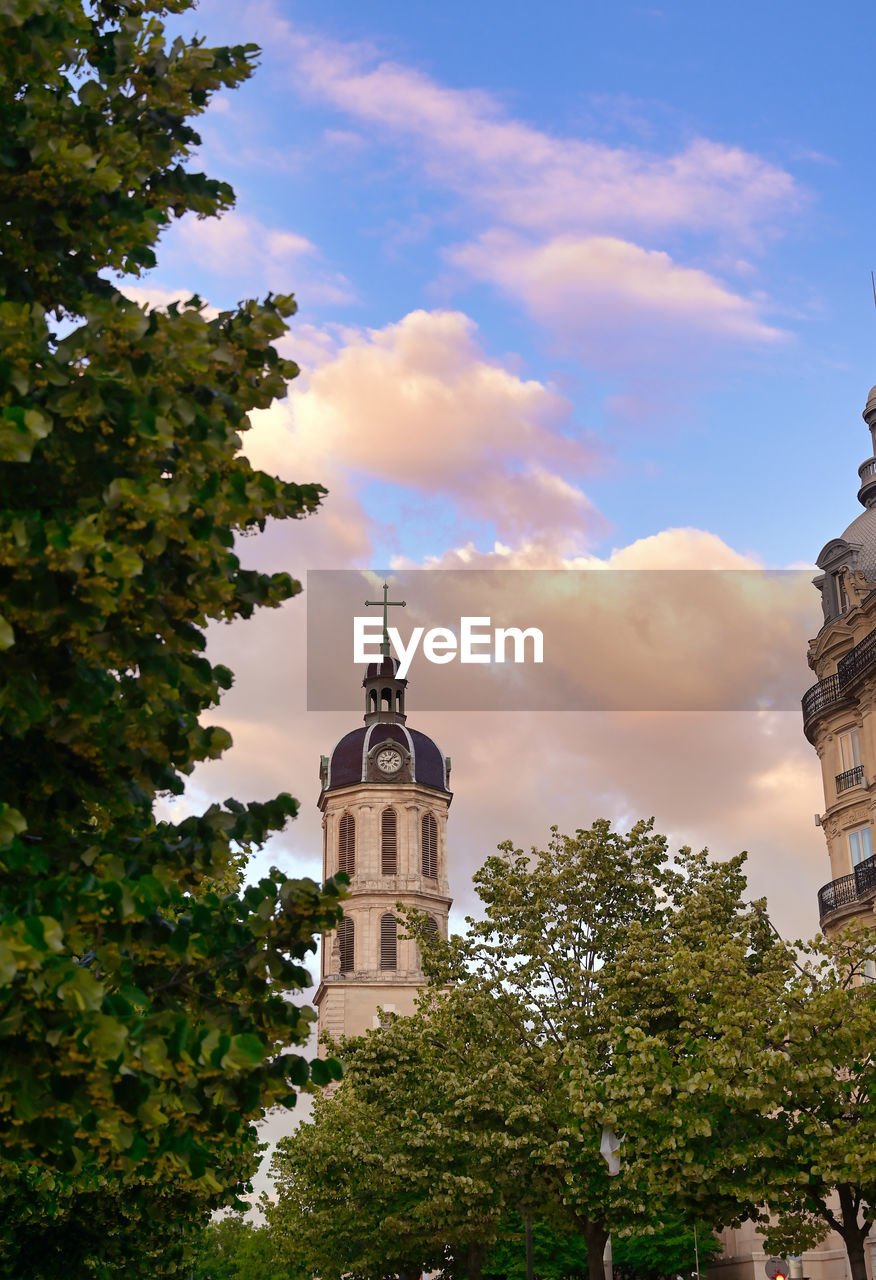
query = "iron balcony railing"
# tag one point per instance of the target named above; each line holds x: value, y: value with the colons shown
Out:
x: 848, y: 889
x: 851, y: 778
x: 858, y: 660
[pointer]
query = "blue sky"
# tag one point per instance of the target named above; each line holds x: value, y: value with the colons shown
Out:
x: 582, y: 287
x: 702, y: 423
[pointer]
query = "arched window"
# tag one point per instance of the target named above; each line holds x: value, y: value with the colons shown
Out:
x: 389, y: 842
x: 431, y: 932
x: 347, y: 945
x: 347, y: 844
x: 388, y: 942
x: 429, y: 846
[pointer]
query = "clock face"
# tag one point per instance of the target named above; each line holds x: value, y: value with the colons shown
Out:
x: 388, y: 761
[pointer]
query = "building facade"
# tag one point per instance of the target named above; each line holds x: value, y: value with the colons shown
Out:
x: 839, y: 711
x: 384, y: 799
x: 839, y: 719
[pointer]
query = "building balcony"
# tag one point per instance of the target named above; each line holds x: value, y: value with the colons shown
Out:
x: 851, y: 778
x: 860, y: 886
x: 837, y: 688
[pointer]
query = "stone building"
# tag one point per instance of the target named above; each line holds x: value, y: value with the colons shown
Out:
x: 839, y: 719
x: 384, y: 800
x: 838, y: 711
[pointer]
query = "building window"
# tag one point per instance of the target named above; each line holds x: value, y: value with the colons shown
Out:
x: 347, y: 844
x: 429, y: 846
x: 389, y: 842
x: 431, y: 927
x: 388, y: 942
x: 842, y: 595
x: 850, y: 750
x: 347, y: 945
x: 860, y: 845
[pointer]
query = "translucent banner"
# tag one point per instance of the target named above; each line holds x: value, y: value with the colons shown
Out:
x: 596, y: 640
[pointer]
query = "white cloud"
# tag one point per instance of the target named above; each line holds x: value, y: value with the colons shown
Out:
x: 237, y: 245
x: 601, y: 294
x: 419, y: 404
x: 535, y: 180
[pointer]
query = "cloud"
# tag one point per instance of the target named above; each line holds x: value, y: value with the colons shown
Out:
x: 239, y: 247
x: 670, y: 549
x: 159, y: 298
x: 534, y: 180
x: 604, y: 296
x: 419, y: 405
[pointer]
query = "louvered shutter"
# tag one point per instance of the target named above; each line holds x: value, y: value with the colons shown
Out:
x: 389, y: 842
x: 431, y: 927
x: 430, y: 846
x: 388, y: 942
x: 347, y: 844
x: 347, y: 945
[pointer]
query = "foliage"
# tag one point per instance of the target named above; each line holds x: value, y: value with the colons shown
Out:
x: 665, y: 1253
x: 144, y: 1017
x: 555, y: 1256
x: 827, y: 1103
x: 742, y: 1075
x: 450, y: 1122
x: 234, y: 1249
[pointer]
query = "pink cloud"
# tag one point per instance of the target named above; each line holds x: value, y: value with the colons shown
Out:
x: 601, y: 294
x: 535, y: 180
x: 271, y: 257
x: 419, y: 404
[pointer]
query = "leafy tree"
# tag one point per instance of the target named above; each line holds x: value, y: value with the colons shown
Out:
x: 742, y: 1073
x: 827, y: 1101
x: 144, y: 1022
x: 665, y: 1253
x: 450, y: 1122
x: 337, y: 1185
x: 555, y: 1255
x: 234, y: 1249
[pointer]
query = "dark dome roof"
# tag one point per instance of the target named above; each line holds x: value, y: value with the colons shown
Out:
x: 347, y: 762
x: 379, y: 670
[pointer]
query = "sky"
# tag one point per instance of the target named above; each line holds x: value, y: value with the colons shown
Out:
x: 586, y: 286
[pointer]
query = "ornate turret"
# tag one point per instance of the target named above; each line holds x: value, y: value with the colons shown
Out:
x: 384, y: 799
x: 838, y: 711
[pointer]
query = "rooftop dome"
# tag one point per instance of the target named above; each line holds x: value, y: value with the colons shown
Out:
x: 861, y: 533
x: 348, y: 763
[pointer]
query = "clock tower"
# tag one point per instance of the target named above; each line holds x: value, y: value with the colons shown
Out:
x: 384, y: 800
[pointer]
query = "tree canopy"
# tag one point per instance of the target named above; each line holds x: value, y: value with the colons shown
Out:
x: 451, y: 1122
x: 144, y: 1020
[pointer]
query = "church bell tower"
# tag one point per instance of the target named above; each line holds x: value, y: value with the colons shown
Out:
x: 839, y: 711
x: 384, y: 801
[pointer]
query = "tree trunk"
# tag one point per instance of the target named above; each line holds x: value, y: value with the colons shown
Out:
x: 597, y: 1238
x: 475, y: 1261
x: 853, y: 1233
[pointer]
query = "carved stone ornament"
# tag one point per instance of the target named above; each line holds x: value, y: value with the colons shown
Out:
x: 860, y: 813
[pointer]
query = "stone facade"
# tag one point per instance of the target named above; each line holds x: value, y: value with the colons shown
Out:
x: 839, y: 719
x: 839, y: 711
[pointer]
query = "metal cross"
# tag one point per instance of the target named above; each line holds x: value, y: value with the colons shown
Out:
x: 386, y: 604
